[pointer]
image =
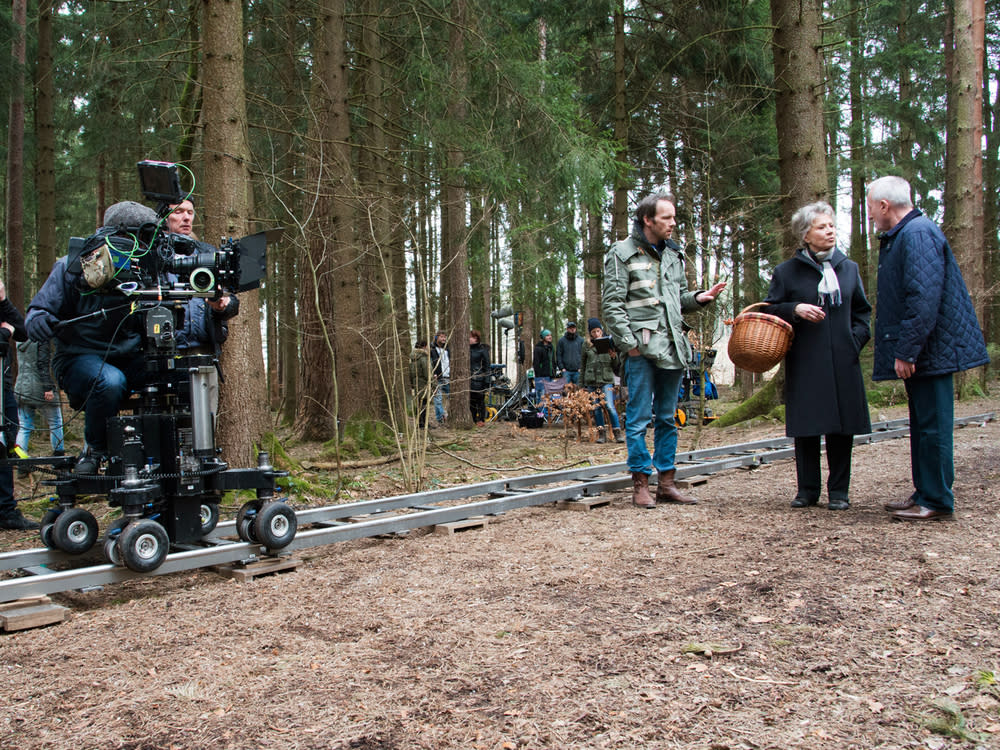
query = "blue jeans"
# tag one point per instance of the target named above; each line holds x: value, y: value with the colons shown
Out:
x: 608, y: 389
x: 443, y: 387
x: 540, y: 387
x: 651, y: 390
x: 102, y: 386
x: 932, y: 425
x: 572, y: 376
x: 53, y: 416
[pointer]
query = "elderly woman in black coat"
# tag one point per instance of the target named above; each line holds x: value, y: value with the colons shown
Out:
x: 819, y: 292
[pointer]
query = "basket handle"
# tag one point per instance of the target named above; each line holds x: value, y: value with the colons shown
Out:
x: 755, y: 304
x: 732, y: 320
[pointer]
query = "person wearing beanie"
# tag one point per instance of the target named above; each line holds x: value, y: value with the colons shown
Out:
x: 597, y: 375
x: 568, y: 353
x: 544, y: 362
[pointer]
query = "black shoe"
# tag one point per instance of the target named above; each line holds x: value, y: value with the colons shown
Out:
x: 88, y: 463
x: 838, y: 503
x: 16, y: 521
x: 804, y: 502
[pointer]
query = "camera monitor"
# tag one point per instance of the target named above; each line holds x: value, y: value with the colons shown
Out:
x: 160, y: 181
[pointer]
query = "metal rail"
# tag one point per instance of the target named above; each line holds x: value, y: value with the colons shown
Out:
x: 368, y: 518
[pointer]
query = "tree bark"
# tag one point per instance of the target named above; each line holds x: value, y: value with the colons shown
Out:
x: 45, y: 169
x: 798, y: 73
x: 454, y: 251
x: 226, y: 181
x: 14, y: 213
x: 965, y: 192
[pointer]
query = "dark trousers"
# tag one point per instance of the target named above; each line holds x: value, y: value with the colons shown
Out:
x: 932, y: 423
x: 477, y: 405
x: 838, y: 460
x: 7, y: 503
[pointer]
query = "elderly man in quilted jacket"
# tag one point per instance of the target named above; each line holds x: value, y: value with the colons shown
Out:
x: 645, y: 294
x: 925, y: 331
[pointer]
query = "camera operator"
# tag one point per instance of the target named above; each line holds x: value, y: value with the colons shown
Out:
x: 11, y: 327
x: 99, y: 360
x: 204, y: 320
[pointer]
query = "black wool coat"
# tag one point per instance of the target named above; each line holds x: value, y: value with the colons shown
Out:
x: 824, y: 387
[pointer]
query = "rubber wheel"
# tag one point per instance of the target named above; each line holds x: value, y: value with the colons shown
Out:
x: 110, y: 545
x: 275, y: 525
x: 75, y: 531
x: 143, y: 545
x: 209, y: 517
x: 245, y: 520
x: 45, y: 532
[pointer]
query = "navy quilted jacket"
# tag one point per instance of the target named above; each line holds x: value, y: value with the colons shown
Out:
x: 924, y: 313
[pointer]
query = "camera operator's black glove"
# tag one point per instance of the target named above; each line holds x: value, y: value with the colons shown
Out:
x: 41, y: 325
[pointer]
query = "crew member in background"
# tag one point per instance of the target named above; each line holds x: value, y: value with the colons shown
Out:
x: 544, y: 362
x: 479, y: 372
x: 37, y: 393
x: 597, y: 375
x: 568, y: 353
x: 420, y: 378
x: 441, y: 364
x: 11, y: 327
x: 644, y: 298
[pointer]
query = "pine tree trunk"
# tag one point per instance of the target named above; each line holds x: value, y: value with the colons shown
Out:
x: 226, y: 182
x: 798, y: 67
x: 14, y: 213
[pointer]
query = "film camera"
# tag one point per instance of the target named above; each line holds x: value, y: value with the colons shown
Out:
x: 164, y: 470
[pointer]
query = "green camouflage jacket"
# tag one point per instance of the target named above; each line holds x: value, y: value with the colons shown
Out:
x: 643, y: 300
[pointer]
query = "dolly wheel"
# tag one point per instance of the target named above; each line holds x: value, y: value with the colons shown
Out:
x: 209, y: 514
x: 245, y: 520
x: 143, y: 545
x: 74, y: 531
x: 275, y: 525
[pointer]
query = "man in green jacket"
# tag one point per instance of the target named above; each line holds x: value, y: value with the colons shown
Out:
x: 645, y: 294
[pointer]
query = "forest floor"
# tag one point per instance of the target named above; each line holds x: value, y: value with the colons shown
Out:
x: 738, y: 623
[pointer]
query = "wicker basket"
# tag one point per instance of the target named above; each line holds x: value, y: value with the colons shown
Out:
x: 759, y: 341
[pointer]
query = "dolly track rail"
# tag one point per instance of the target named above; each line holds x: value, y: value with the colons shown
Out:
x: 331, y: 524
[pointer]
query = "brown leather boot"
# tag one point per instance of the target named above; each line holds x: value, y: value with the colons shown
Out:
x: 601, y: 435
x: 619, y: 437
x: 667, y: 491
x: 640, y: 490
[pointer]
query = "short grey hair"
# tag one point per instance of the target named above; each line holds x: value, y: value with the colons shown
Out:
x: 803, y: 219
x: 894, y: 189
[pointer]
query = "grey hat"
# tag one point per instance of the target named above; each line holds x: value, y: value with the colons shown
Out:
x: 130, y: 214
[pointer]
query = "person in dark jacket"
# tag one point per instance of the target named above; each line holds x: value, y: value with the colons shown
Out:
x: 479, y: 372
x: 569, y: 351
x: 420, y: 379
x: 36, y: 392
x: 819, y: 291
x: 597, y: 375
x: 99, y: 359
x: 11, y: 327
x: 543, y: 362
x: 925, y: 331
